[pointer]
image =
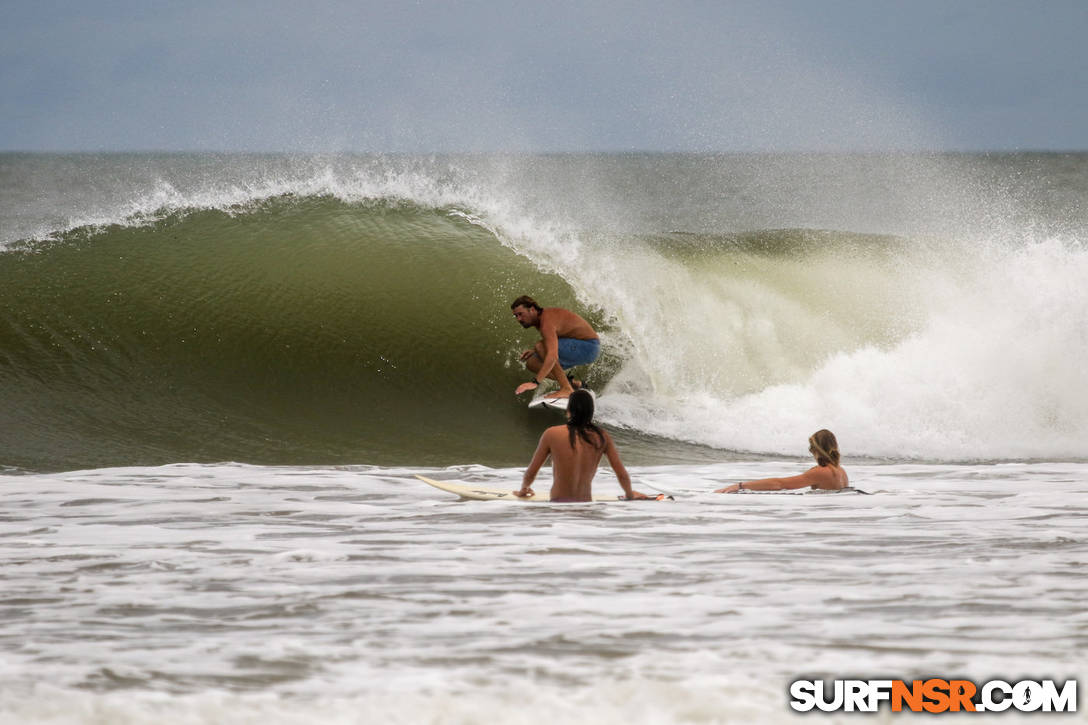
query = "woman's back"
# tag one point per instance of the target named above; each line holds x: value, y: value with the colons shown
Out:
x: 573, y: 467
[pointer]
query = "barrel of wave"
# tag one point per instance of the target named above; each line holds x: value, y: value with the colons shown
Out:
x: 296, y: 331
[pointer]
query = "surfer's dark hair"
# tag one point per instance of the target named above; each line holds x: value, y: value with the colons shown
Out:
x: 526, y: 301
x: 823, y: 445
x: 580, y: 422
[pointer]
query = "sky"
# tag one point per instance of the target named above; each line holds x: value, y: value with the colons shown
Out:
x: 556, y: 76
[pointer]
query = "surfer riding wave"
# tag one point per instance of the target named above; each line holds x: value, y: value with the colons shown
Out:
x: 566, y: 340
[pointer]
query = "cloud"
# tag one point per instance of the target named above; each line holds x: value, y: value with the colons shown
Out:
x: 563, y: 76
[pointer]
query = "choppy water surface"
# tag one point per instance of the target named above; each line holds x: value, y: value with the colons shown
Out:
x: 199, y: 593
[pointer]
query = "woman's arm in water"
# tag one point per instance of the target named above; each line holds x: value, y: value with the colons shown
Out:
x: 543, y: 449
x: 812, y: 477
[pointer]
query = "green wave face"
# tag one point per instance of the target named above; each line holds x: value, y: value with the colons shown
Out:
x: 297, y: 330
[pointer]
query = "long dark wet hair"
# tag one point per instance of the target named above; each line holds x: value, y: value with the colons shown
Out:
x: 580, y: 420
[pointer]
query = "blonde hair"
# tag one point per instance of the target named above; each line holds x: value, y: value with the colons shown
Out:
x: 823, y: 445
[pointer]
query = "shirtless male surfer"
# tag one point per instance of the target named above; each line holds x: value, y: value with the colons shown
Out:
x: 576, y: 450
x: 566, y: 340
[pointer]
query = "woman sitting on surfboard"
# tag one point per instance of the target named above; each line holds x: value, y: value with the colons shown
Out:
x: 826, y: 474
x: 576, y: 449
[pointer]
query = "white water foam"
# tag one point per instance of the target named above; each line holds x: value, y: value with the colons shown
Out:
x: 996, y: 371
x: 228, y: 593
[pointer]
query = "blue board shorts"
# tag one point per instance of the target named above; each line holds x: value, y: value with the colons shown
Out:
x: 577, y: 352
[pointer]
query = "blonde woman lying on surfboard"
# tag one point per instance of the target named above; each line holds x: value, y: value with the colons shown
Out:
x: 826, y: 474
x: 576, y: 450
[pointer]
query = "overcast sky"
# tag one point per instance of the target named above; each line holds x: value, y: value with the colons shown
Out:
x: 544, y: 75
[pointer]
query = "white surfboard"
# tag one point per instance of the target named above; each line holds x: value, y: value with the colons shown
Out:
x: 553, y: 403
x: 541, y: 401
x: 487, y: 493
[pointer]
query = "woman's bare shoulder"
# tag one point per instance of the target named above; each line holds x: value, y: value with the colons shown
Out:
x: 827, y: 477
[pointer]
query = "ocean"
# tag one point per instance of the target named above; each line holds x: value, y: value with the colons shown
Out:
x: 219, y: 374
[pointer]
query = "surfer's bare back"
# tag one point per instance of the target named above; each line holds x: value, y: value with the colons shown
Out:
x: 566, y: 340
x: 576, y: 450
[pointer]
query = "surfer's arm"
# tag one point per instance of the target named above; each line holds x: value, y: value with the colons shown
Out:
x: 550, y: 337
x: 542, y: 450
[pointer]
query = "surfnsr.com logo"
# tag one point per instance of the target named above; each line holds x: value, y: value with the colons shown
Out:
x: 933, y: 695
